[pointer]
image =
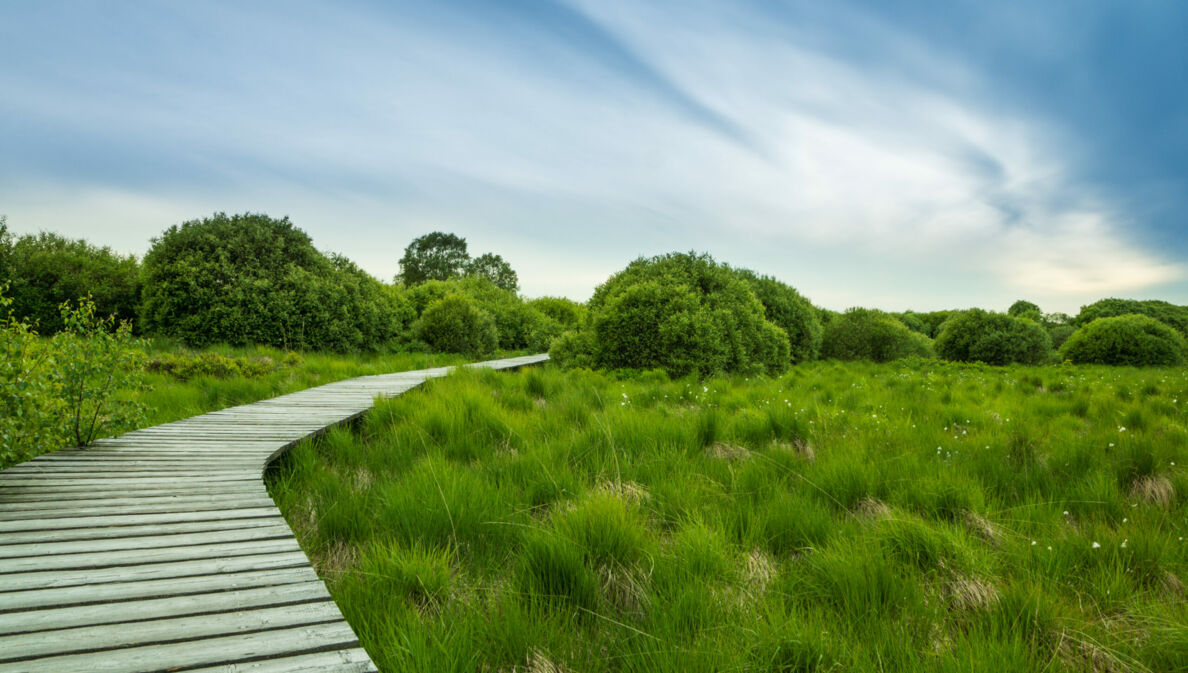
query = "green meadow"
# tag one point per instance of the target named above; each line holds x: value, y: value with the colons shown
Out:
x: 914, y: 515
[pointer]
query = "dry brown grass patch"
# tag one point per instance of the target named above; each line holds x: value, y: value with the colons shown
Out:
x: 869, y: 508
x: 972, y: 593
x: 799, y: 447
x: 982, y: 527
x: 1155, y: 489
x: 730, y: 452
x: 338, y: 559
x: 628, y: 491
x: 626, y: 587
x: 758, y: 572
x: 1172, y: 584
x: 539, y: 662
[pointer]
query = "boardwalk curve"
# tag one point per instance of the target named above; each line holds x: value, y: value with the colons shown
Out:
x: 160, y: 550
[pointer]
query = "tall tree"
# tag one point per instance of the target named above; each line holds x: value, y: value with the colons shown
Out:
x: 495, y: 269
x: 434, y: 256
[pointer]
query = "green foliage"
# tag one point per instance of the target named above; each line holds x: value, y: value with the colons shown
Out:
x: 495, y: 269
x: 252, y: 279
x: 573, y: 349
x: 187, y: 366
x: 95, y: 361
x: 870, y: 334
x: 434, y: 256
x: 72, y: 388
x: 1059, y: 334
x: 47, y: 269
x: 1170, y: 314
x: 5, y: 252
x: 914, y: 322
x: 30, y: 403
x: 1026, y: 309
x: 442, y: 256
x: 455, y: 324
x: 685, y: 314
x: 934, y: 320
x: 1126, y: 340
x: 518, y: 325
x: 993, y: 338
x: 568, y: 313
x: 787, y: 309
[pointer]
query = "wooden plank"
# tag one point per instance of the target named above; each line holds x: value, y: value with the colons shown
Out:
x: 133, y: 519
x: 342, y: 661
x: 106, y: 636
x: 149, y: 571
x: 124, y: 557
x: 30, y: 621
x: 192, y: 653
x: 112, y: 594
x: 276, y: 530
x: 119, y: 506
x: 31, y: 494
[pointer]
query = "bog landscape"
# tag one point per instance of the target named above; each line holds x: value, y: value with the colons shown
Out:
x: 710, y: 473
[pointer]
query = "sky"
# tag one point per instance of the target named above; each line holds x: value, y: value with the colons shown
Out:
x: 897, y: 155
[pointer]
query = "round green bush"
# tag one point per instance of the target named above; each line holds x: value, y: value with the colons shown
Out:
x: 455, y: 324
x: 685, y: 314
x: 993, y: 338
x: 1126, y: 340
x: 1164, y: 312
x: 787, y: 309
x: 250, y: 278
x: 870, y: 334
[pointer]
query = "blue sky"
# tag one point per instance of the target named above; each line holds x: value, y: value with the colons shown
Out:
x: 892, y: 154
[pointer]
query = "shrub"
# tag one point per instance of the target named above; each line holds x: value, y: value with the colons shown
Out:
x: 454, y: 324
x: 71, y: 388
x: 30, y: 403
x: 47, y: 270
x: 914, y: 322
x: 787, y: 309
x: 1126, y: 340
x: 993, y: 338
x: 1169, y: 314
x: 94, y: 361
x: 188, y: 366
x: 683, y: 313
x: 1059, y: 334
x: 568, y: 313
x: 572, y: 349
x: 254, y: 279
x: 870, y: 334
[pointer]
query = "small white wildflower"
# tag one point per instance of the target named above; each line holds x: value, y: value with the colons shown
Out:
x: 1124, y: 519
x: 1124, y: 543
x: 1111, y: 445
x: 1033, y: 543
x: 1121, y: 428
x: 1049, y: 547
x: 1066, y: 512
x: 1096, y: 545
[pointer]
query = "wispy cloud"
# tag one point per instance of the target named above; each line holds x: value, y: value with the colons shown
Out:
x: 571, y: 137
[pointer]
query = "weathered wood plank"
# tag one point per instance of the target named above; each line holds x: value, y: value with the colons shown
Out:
x: 31, y: 621
x: 134, y: 519
x: 341, y: 661
x: 113, y: 593
x: 276, y: 530
x: 124, y: 557
x: 190, y: 653
x: 149, y: 571
x: 170, y: 629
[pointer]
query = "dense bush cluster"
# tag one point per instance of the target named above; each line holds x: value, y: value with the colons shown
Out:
x: 993, y: 338
x: 686, y: 314
x: 868, y: 334
x: 46, y: 269
x: 1126, y: 340
x: 63, y: 390
x: 247, y: 279
x: 787, y: 309
x: 441, y: 256
x: 1169, y: 314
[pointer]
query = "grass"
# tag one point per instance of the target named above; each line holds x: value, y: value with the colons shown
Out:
x: 267, y: 372
x: 911, y: 516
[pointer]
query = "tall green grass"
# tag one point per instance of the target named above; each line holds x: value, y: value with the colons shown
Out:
x: 901, y: 517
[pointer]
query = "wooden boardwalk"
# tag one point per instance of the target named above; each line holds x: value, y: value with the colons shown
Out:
x: 160, y: 550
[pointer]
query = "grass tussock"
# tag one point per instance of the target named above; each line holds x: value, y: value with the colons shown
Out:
x: 843, y: 517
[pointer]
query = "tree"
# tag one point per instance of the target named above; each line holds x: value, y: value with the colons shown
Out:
x: 787, y: 309
x: 434, y: 256
x: 249, y: 278
x: 5, y: 251
x: 48, y: 269
x: 495, y: 269
x: 1025, y: 309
